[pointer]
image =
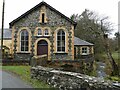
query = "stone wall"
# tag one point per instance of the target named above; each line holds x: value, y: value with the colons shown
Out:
x: 32, y: 21
x: 22, y: 56
x: 63, y: 80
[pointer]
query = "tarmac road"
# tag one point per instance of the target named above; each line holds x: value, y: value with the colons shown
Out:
x: 12, y: 81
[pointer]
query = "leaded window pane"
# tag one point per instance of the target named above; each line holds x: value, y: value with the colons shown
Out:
x: 59, y: 48
x: 63, y: 43
x: 26, y: 38
x: 22, y: 37
x: 63, y: 33
x: 22, y: 48
x: 63, y: 48
x: 22, y: 33
x: 26, y: 33
x: 63, y: 37
x: 58, y: 43
x: 26, y: 43
x: 22, y: 43
x: 26, y: 48
x: 58, y: 38
x: 59, y: 33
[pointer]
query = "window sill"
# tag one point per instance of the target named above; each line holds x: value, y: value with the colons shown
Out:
x: 21, y: 52
x: 46, y: 35
x: 39, y: 35
x: 42, y: 36
x: 60, y: 53
x: 85, y: 54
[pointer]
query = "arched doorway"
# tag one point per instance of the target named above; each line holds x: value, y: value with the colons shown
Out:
x: 42, y: 47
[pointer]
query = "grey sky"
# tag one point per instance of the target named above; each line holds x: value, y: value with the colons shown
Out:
x: 15, y: 8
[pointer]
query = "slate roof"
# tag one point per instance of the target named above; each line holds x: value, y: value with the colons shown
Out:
x: 78, y: 41
x: 7, y: 34
x: 39, y: 5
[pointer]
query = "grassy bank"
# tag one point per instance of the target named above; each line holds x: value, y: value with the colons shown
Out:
x: 24, y: 73
x: 113, y: 78
x: 115, y: 56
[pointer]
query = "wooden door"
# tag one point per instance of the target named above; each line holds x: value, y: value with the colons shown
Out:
x: 42, y: 47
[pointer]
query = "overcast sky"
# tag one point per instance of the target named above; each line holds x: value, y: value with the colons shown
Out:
x: 15, y: 8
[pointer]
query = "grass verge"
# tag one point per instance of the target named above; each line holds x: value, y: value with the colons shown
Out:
x: 113, y: 78
x: 24, y: 73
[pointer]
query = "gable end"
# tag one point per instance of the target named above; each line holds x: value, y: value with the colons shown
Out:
x: 37, y: 6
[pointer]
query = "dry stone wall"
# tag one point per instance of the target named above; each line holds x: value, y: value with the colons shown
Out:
x: 63, y: 80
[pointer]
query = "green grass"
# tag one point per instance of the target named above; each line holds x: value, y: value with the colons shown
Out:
x: 24, y: 73
x: 113, y: 78
x: 115, y: 56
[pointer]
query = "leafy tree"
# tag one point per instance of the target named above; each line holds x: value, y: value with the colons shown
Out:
x: 95, y: 30
x: 84, y: 31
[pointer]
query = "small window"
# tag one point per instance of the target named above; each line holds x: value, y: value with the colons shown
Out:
x: 39, y: 32
x: 84, y: 51
x: 46, y: 32
x: 43, y: 18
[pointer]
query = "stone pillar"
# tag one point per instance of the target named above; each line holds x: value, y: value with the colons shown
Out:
x: 78, y: 53
x: 32, y: 43
x: 15, y: 44
x: 52, y: 44
x: 69, y: 44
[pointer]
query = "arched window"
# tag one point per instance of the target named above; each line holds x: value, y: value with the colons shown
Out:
x: 39, y: 32
x: 61, y: 41
x: 24, y: 40
x: 46, y: 32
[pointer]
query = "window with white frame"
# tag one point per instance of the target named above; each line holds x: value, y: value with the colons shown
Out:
x: 24, y: 41
x: 46, y: 32
x: 85, y: 51
x: 39, y: 32
x: 61, y: 41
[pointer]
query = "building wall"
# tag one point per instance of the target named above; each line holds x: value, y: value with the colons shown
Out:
x: 53, y: 21
x: 8, y: 44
